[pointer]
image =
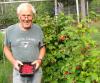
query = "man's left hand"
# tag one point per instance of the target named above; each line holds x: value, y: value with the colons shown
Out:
x: 37, y: 62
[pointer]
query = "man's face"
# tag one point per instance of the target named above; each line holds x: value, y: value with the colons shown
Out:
x: 25, y: 18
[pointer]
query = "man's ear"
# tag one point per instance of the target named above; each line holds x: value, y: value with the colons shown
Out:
x: 18, y: 16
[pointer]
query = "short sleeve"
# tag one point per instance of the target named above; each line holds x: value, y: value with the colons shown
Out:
x: 6, y: 38
x: 41, y: 43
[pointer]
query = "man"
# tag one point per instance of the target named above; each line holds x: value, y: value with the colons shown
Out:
x: 24, y: 43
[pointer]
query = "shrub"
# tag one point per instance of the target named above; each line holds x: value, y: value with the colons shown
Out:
x: 71, y: 56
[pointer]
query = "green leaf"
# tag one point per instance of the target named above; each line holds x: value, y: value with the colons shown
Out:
x: 87, y: 80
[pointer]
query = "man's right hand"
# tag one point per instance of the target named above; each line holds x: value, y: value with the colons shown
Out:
x: 17, y: 64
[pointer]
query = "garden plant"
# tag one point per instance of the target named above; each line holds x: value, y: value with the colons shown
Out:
x: 71, y: 52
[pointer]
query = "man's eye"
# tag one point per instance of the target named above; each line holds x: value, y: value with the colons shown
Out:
x: 26, y: 15
x: 23, y: 15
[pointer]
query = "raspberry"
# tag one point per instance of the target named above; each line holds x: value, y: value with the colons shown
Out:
x: 27, y: 69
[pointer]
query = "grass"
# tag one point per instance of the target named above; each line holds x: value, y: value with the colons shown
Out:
x: 5, y: 66
x: 5, y: 72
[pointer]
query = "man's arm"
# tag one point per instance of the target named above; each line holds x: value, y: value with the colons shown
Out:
x: 8, y: 54
x: 41, y: 56
x: 42, y: 53
x: 10, y: 57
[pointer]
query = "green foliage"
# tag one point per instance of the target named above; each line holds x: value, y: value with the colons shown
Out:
x: 71, y: 55
x: 94, y: 5
x: 5, y: 72
x: 45, y: 6
x: 7, y: 20
x: 94, y: 16
x: 8, y: 16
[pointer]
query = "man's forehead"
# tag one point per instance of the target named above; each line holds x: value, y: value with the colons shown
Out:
x: 26, y: 11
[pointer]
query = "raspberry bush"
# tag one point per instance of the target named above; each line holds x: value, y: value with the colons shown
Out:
x: 71, y: 52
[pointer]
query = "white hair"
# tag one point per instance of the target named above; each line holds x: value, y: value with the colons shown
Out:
x: 24, y: 5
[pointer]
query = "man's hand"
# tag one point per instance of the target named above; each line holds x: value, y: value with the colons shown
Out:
x: 17, y: 64
x: 38, y: 63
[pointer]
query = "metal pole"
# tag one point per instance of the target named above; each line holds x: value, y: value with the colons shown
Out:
x: 87, y: 7
x: 77, y: 8
x: 56, y: 11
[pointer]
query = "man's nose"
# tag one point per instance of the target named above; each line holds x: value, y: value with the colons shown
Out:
x: 26, y: 17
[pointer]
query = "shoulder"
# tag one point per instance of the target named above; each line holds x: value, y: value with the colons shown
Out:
x: 36, y: 27
x: 11, y: 28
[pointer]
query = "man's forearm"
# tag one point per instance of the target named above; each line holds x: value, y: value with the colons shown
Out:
x: 8, y: 54
x: 42, y: 53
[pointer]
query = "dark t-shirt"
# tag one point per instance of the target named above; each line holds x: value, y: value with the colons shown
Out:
x: 25, y: 45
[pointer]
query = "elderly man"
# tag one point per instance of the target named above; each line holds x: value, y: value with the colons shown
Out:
x: 24, y: 43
